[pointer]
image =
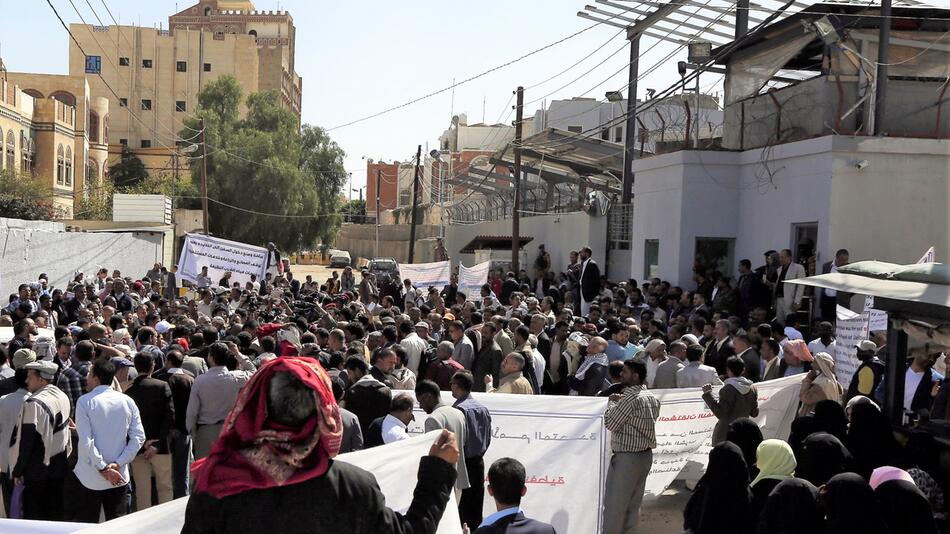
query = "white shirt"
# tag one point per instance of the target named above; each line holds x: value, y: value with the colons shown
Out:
x: 393, y: 429
x: 911, y: 381
x: 110, y: 431
x: 6, y: 371
x: 792, y: 333
x: 539, y: 365
x: 415, y: 346
x: 815, y: 346
x: 831, y: 293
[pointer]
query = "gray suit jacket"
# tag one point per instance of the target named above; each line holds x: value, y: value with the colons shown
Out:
x: 666, y: 373
x: 695, y: 375
x: 793, y: 292
x: 352, y: 435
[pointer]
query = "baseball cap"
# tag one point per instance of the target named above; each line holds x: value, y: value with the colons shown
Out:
x: 423, y: 324
x: 23, y: 357
x: 46, y: 369
x: 866, y: 345
x: 163, y: 326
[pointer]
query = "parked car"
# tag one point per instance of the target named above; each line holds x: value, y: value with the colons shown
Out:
x: 381, y: 266
x: 340, y: 258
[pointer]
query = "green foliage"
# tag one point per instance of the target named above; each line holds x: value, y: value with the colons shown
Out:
x: 264, y: 164
x: 25, y: 197
x: 96, y: 204
x: 130, y: 171
x: 354, y: 211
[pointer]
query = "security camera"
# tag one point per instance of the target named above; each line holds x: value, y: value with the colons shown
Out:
x: 862, y: 164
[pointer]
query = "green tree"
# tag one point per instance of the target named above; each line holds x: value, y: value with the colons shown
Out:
x: 96, y: 204
x: 129, y: 171
x: 268, y: 180
x: 25, y: 197
x: 354, y: 211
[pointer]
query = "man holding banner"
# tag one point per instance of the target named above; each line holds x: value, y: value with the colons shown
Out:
x: 631, y: 418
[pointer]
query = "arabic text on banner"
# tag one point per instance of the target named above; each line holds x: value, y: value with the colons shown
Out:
x: 471, y: 279
x: 220, y: 256
x: 426, y: 275
x: 395, y: 467
x: 850, y: 329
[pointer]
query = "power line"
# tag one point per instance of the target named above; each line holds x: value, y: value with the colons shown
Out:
x: 466, y: 80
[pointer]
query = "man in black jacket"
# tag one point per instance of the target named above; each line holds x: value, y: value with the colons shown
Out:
x: 506, y: 484
x: 157, y: 410
x: 590, y: 280
x: 368, y: 398
x: 720, y: 347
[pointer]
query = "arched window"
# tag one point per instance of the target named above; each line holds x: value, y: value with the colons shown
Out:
x: 253, y: 33
x: 93, y: 127
x: 26, y: 153
x: 207, y: 11
x: 69, y: 166
x: 92, y: 172
x: 105, y: 130
x: 34, y: 93
x: 60, y: 166
x: 11, y: 151
x: 65, y: 97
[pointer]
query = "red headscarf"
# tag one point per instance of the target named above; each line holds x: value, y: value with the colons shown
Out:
x: 254, y: 452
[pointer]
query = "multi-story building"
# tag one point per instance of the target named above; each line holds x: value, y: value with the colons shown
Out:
x: 152, y: 77
x: 461, y: 144
x: 387, y: 174
x: 53, y: 135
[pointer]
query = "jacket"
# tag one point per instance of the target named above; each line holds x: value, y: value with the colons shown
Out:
x: 666, y: 373
x: 514, y: 383
x: 156, y: 408
x: 487, y: 362
x: 352, y: 434
x: 791, y: 292
x: 344, y: 500
x: 716, y: 356
x: 368, y: 399
x: 737, y: 398
x: 773, y: 369
x: 753, y: 366
x: 866, y: 378
x: 180, y: 386
x: 516, y: 524
x: 590, y: 280
x: 695, y: 375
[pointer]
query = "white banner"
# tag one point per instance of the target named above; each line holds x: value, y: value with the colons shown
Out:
x: 395, y: 467
x: 220, y: 256
x: 876, y: 319
x: 471, y: 279
x: 850, y: 329
x: 425, y: 275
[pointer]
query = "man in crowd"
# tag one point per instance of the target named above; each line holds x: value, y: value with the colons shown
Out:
x: 442, y: 415
x: 444, y: 367
x: 393, y: 426
x: 368, y: 398
x: 589, y: 280
x: 787, y: 297
x: 829, y: 297
x: 744, y: 349
x: 512, y: 380
x: 868, y: 375
x: 156, y: 406
x: 631, y: 418
x: 506, y: 485
x: 477, y: 440
x: 110, y: 436
x: 11, y: 406
x: 180, y: 383
x: 695, y: 374
x: 213, y: 394
x: 737, y: 398
x: 720, y: 348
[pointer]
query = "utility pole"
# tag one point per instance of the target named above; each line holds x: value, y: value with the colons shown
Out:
x: 415, y: 204
x: 515, y: 214
x: 883, y: 57
x: 378, y: 173
x: 204, y: 176
x: 630, y: 138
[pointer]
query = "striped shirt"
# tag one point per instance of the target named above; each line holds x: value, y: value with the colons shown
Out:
x: 632, y: 420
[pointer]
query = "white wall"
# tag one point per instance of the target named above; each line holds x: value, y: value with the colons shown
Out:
x: 26, y: 250
x: 892, y: 210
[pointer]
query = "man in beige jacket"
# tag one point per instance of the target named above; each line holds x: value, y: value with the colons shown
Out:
x: 512, y: 379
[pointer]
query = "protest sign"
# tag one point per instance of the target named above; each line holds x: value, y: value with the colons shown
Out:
x: 220, y: 256
x: 850, y: 329
x: 426, y: 275
x: 471, y: 279
x: 876, y: 319
x: 395, y: 467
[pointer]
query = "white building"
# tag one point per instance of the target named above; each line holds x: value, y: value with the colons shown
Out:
x: 802, y: 172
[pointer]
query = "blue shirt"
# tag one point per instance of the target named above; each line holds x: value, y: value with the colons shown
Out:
x: 492, y: 519
x: 616, y: 352
x: 110, y: 431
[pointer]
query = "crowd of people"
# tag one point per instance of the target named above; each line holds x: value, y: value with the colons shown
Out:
x: 241, y: 394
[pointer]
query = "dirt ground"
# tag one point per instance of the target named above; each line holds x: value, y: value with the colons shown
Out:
x: 320, y: 273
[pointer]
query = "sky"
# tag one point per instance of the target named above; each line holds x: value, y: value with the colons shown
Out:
x: 359, y: 57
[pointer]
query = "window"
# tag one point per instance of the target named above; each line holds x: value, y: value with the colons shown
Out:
x: 207, y: 67
x: 146, y: 143
x: 69, y: 166
x: 146, y: 104
x: 146, y: 63
x: 60, y: 166
x: 124, y: 142
x: 93, y: 64
x: 180, y: 105
x: 123, y: 62
x: 27, y: 151
x: 11, y: 151
x: 93, y: 127
x: 181, y: 66
x: 207, y: 11
x: 574, y: 129
x: 123, y: 102
x: 651, y: 258
x: 618, y: 134
x: 714, y: 254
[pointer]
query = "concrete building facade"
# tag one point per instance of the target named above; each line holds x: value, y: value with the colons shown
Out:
x: 53, y: 130
x: 152, y: 77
